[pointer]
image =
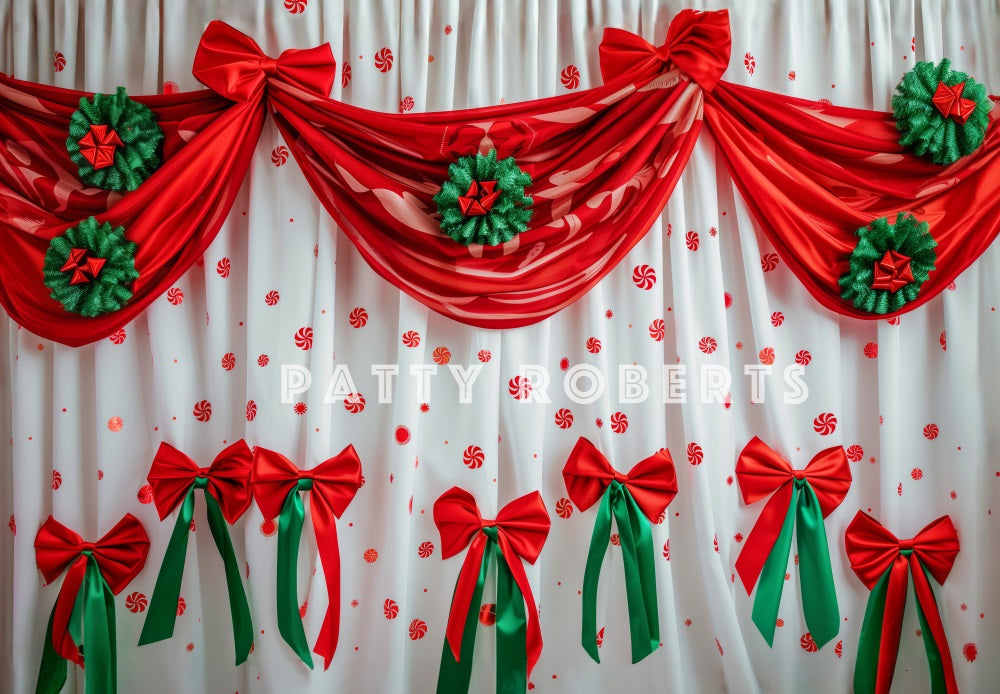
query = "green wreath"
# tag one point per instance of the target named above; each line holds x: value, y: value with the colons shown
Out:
x: 89, y: 267
x: 889, y: 264
x: 114, y: 141
x: 925, y: 128
x: 483, y: 200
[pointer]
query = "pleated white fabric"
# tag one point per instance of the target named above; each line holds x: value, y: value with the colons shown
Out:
x: 915, y: 400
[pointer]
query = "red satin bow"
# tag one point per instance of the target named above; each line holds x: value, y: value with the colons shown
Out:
x: 85, y: 267
x: 873, y: 550
x: 652, y: 482
x: 334, y: 484
x: 120, y: 556
x: 949, y: 101
x: 233, y: 65
x: 522, y: 526
x: 479, y: 199
x: 98, y: 146
x: 172, y: 474
x: 698, y: 43
x: 893, y: 272
x: 761, y: 471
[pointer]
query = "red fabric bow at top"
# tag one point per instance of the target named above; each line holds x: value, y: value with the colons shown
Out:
x: 120, y: 556
x: 949, y: 101
x: 233, y: 65
x: 334, y: 483
x: 761, y: 471
x: 522, y: 527
x: 697, y: 42
x: 882, y: 561
x: 228, y: 479
x: 652, y: 482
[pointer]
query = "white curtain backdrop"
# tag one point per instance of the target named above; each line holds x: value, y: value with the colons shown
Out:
x: 916, y: 400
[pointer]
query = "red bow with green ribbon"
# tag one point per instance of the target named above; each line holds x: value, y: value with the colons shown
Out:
x: 801, y: 500
x: 84, y: 613
x: 174, y: 477
x: 882, y: 562
x: 635, y: 500
x: 331, y: 485
x: 518, y: 532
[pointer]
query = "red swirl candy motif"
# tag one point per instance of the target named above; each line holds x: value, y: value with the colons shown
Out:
x: 175, y: 296
x: 358, y: 317
x: 657, y: 329
x: 370, y: 555
x: 262, y: 360
x: 56, y: 479
x: 383, y: 60
x: 279, y: 155
x: 808, y: 643
x: 644, y: 276
x: 708, y: 345
x: 838, y: 650
x: 181, y: 606
x: 425, y: 549
x: 855, y: 453
x: 825, y: 423
x: 473, y: 457
x: 871, y: 350
x: 118, y: 336
x: 931, y: 432
x: 411, y: 339
x: 59, y: 62
x: 272, y: 298
x: 228, y: 362
x: 345, y: 75
x: 484, y: 355
x: 441, y: 355
x: 803, y: 357
x: 222, y: 267
x: 666, y: 550
x: 769, y: 261
x: 418, y: 629
x: 12, y: 525
x: 251, y: 410
x: 145, y: 494
x: 917, y: 473
x: 136, y: 602
x: 202, y: 410
x: 695, y: 454
x: 570, y: 77
x: 564, y: 508
x: 519, y: 387
x: 114, y: 424
x: 619, y: 423
x: 766, y: 356
x: 564, y: 418
x: 593, y: 345
x: 390, y: 609
x: 406, y: 104
x: 304, y: 338
x: 296, y: 6
x: 354, y: 403
x: 691, y: 240
x: 777, y: 318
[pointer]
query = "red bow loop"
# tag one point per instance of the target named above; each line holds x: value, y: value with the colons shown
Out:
x: 652, y: 482
x: 172, y: 474
x: 524, y: 523
x: 698, y: 43
x: 949, y: 102
x: 761, y: 471
x: 335, y: 481
x: 232, y: 64
x: 872, y: 549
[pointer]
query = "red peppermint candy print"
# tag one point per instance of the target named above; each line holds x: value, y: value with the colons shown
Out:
x: 766, y: 356
x: 691, y: 240
x: 564, y: 508
x: 695, y: 454
x: 118, y: 336
x: 619, y: 423
x: 56, y: 479
x: 441, y: 355
x: 666, y: 550
x: 749, y: 63
x: 228, y: 362
x: 272, y: 298
x: 411, y: 339
x: 354, y: 403
x: 358, y: 317
x: 570, y: 77
x: 727, y: 299
x: 931, y: 432
x: 251, y: 410
x: 769, y: 261
x: 943, y: 340
x: 202, y: 410
x: 644, y: 276
x: 279, y: 155
x: 657, y: 329
x: 519, y: 387
x: 871, y: 350
x: 304, y: 338
x: 345, y: 75
x: 222, y: 267
x: 262, y: 360
x: 616, y: 540
x: 808, y: 643
x: 825, y: 423
x: 383, y: 60
x: 855, y: 453
x: 484, y: 355
x: 473, y: 457
x: 838, y: 650
x: 418, y: 629
x: 12, y: 525
x: 175, y: 296
x: 390, y: 609
x: 425, y: 549
x: 791, y: 75
x: 136, y: 602
x: 593, y: 345
x: 371, y: 555
x: 803, y: 357
x: 296, y: 6
x: 708, y: 345
x: 917, y: 473
x: 59, y: 62
x: 564, y: 418
x: 115, y: 424
x: 145, y: 495
x: 181, y: 606
x: 777, y: 318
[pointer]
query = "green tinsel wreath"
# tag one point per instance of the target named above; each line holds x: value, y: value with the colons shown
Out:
x: 909, y: 237
x: 923, y: 128
x: 509, y: 214
x: 108, y: 290
x: 135, y: 126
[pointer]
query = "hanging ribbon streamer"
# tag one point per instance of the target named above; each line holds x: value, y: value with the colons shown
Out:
x: 635, y: 500
x: 174, y: 477
x: 882, y: 562
x: 801, y: 500
x: 84, y: 613
x: 518, y: 532
x: 332, y: 485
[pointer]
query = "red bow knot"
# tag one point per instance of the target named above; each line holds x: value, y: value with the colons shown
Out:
x: 233, y: 65
x: 760, y: 471
x: 85, y: 267
x: 479, y: 199
x: 98, y: 146
x: 522, y: 527
x: 893, y: 272
x: 698, y: 43
x: 948, y: 100
x: 120, y: 556
x: 227, y: 479
x: 652, y: 482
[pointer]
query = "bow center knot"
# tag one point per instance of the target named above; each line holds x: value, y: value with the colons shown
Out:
x: 490, y: 529
x: 268, y: 65
x: 620, y: 478
x: 201, y: 479
x: 906, y: 545
x: 800, y: 475
x: 87, y: 548
x: 306, y: 481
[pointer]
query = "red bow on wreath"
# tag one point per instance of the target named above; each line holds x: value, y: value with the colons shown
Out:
x: 331, y: 485
x: 517, y: 534
x: 948, y: 100
x: 882, y: 562
x: 97, y: 572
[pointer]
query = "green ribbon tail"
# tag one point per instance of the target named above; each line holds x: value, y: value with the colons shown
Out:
x: 772, y: 576
x: 592, y: 575
x: 934, y: 661
x: 454, y: 675
x: 870, y: 641
x: 162, y: 612
x: 239, y: 607
x: 100, y: 672
x: 819, y: 595
x: 636, y: 537
x: 512, y: 633
x: 52, y: 671
x: 289, y: 534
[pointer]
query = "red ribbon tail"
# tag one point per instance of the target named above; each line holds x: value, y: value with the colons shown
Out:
x: 325, y: 527
x: 533, y: 643
x: 761, y: 539
x: 61, y: 639
x: 464, y: 589
x: 892, y: 625
x: 928, y: 605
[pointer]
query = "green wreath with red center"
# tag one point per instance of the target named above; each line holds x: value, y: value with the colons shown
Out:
x: 889, y: 264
